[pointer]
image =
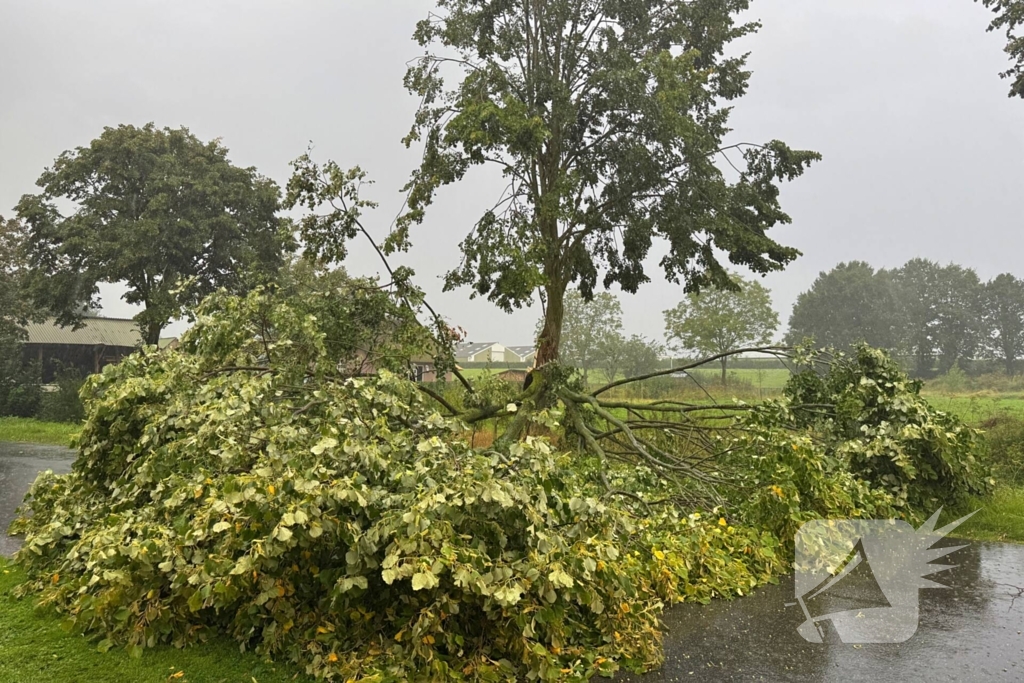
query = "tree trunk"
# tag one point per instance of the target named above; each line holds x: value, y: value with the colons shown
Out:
x: 151, y: 334
x: 551, y: 334
x: 724, y: 360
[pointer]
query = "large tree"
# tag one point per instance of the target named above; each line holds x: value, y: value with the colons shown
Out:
x: 717, y: 322
x: 19, y: 391
x: 849, y: 304
x: 589, y: 329
x: 1003, y: 311
x: 608, y: 119
x: 158, y: 210
x: 939, y: 309
x: 641, y: 355
x: 1010, y: 18
x: 14, y: 308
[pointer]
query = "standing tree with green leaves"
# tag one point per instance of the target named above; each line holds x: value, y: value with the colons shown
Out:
x: 1003, y: 313
x: 608, y: 120
x: 1010, y: 18
x: 939, y: 312
x: 588, y: 328
x: 19, y: 391
x: 850, y: 304
x: 641, y: 355
x: 158, y: 210
x: 717, y: 322
x: 14, y: 308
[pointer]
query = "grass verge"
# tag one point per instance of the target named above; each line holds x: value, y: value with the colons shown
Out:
x: 27, y: 430
x: 1000, y: 517
x: 34, y: 647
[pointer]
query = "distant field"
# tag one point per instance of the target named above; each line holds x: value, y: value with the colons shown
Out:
x: 25, y: 430
x: 773, y: 378
x: 977, y: 408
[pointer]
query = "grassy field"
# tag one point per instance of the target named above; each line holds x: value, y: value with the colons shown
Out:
x: 770, y: 378
x: 25, y: 430
x: 978, y: 408
x: 34, y: 647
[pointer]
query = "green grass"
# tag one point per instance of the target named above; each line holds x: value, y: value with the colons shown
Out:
x: 769, y: 378
x: 26, y: 430
x: 977, y: 408
x: 1000, y: 517
x: 34, y: 648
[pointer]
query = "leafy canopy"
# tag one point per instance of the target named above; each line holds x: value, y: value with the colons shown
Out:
x: 718, y: 321
x: 1003, y: 316
x: 850, y: 304
x: 1010, y: 18
x: 608, y: 120
x: 157, y: 209
x: 19, y: 391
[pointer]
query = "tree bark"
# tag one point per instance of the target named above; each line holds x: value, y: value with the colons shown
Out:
x: 551, y: 333
x: 151, y: 334
x: 724, y: 360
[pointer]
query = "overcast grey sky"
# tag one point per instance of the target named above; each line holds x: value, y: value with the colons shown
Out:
x: 924, y: 153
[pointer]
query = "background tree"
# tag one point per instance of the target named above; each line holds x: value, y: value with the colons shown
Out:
x: 19, y: 391
x: 1010, y: 18
x: 913, y: 285
x: 1003, y: 314
x: 850, y: 304
x: 366, y: 328
x: 719, y: 321
x: 641, y: 355
x: 607, y: 118
x: 958, y: 320
x: 611, y: 355
x: 15, y: 309
x: 939, y: 309
x: 589, y: 329
x: 158, y: 210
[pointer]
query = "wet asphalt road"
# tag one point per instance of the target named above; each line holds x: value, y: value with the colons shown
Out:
x: 19, y: 465
x: 971, y: 632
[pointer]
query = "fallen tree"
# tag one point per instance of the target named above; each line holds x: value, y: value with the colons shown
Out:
x: 244, y: 484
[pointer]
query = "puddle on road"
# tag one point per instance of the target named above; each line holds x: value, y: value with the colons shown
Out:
x: 971, y: 631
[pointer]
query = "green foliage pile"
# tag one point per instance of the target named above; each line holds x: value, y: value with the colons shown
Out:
x: 240, y: 485
x: 865, y: 412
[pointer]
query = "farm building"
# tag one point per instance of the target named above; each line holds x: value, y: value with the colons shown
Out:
x: 422, y: 369
x: 520, y: 354
x: 475, y: 352
x: 517, y: 377
x: 98, y: 343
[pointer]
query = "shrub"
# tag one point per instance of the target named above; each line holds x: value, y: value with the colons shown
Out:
x: 64, y: 404
x: 237, y: 485
x: 1004, y: 440
x: 19, y: 381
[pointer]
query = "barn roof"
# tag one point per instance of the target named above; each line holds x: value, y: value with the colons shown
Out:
x: 522, y: 351
x: 95, y: 331
x: 472, y: 348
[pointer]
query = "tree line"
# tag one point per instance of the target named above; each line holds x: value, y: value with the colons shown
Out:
x: 933, y: 316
